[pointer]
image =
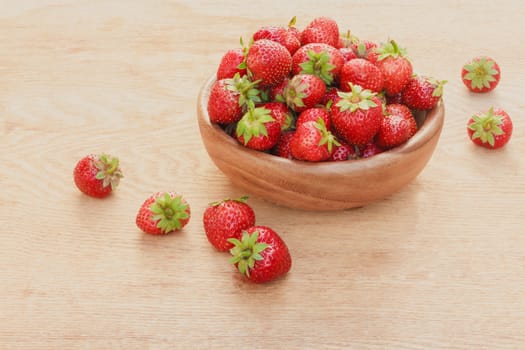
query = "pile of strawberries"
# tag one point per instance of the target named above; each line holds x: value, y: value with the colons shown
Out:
x: 316, y: 95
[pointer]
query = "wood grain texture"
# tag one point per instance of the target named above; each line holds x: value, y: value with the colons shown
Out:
x: 439, y: 265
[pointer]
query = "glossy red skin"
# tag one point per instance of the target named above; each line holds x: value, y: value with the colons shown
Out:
x: 321, y: 30
x: 262, y: 142
x: 405, y: 112
x: 332, y: 95
x: 276, y: 259
x: 313, y: 114
x: 492, y: 84
x: 280, y: 35
x: 144, y: 219
x: 369, y: 150
x: 342, y: 153
x: 227, y: 220
x: 396, y: 73
x: 301, y: 55
x: 269, y: 62
x: 361, y: 72
x: 279, y: 112
x: 278, y: 90
x: 305, y: 143
x: 84, y: 177
x: 348, y: 53
x: 223, y: 104
x: 314, y: 90
x: 418, y: 94
x: 229, y: 63
x: 394, y: 131
x: 499, y: 140
x: 282, y: 148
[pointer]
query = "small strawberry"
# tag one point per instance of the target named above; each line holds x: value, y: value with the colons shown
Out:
x: 269, y: 62
x: 422, y: 93
x: 97, y: 175
x: 226, y: 219
x: 319, y: 59
x: 282, y: 148
x: 357, y: 116
x: 343, y: 152
x: 491, y: 129
x: 361, y: 72
x: 313, y: 114
x: 304, y: 91
x: 229, y: 64
x: 370, y: 149
x: 393, y: 132
x: 261, y: 254
x: 481, y: 74
x: 258, y: 129
x: 405, y: 112
x: 280, y: 35
x: 321, y: 30
x: 313, y: 142
x: 396, y: 68
x: 162, y: 213
x: 397, y: 98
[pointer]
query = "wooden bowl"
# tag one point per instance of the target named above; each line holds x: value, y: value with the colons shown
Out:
x: 319, y: 186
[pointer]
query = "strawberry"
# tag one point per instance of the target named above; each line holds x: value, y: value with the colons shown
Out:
x: 343, y: 152
x: 365, y: 49
x: 258, y: 129
x: 97, y: 175
x: 357, y: 116
x: 313, y: 114
x: 481, y: 74
x: 405, y: 112
x: 269, y: 62
x: 422, y: 93
x: 281, y: 114
x: 276, y: 93
x: 229, y: 64
x: 491, y: 129
x: 162, y: 213
x: 394, y: 131
x: 397, y: 98
x: 229, y: 97
x: 282, y: 148
x: 361, y: 72
x: 370, y: 149
x: 321, y: 30
x: 226, y: 219
x: 319, y: 59
x: 261, y: 254
x: 396, y: 68
x: 330, y: 97
x: 348, y: 53
x: 304, y: 91
x: 312, y: 141
x: 280, y: 35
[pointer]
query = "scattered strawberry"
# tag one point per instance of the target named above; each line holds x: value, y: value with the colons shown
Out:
x: 405, y: 112
x: 261, y: 254
x: 282, y: 148
x: 361, y: 72
x: 229, y: 65
x: 393, y: 132
x: 396, y: 68
x: 481, y: 74
x: 313, y: 142
x: 321, y: 30
x: 491, y: 129
x: 304, y: 91
x: 226, y: 219
x: 319, y: 59
x: 422, y: 93
x: 269, y: 62
x: 258, y: 129
x: 162, y: 213
x: 97, y: 175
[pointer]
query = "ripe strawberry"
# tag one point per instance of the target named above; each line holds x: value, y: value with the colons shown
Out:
x: 261, y: 254
x: 321, y: 30
x: 343, y: 152
x: 276, y: 93
x: 361, y: 72
x: 282, y: 148
x: 313, y: 142
x: 269, y: 62
x: 229, y: 98
x: 281, y: 114
x: 330, y: 97
x: 280, y: 35
x: 319, y: 59
x: 396, y: 68
x: 229, y: 64
x: 405, y: 112
x: 422, y: 93
x: 258, y: 129
x: 365, y: 49
x: 162, y: 213
x: 397, y: 98
x: 97, y: 175
x: 226, y: 219
x: 370, y: 149
x: 481, y: 74
x: 304, y: 91
x: 491, y: 129
x: 357, y: 116
x: 313, y: 114
x: 393, y: 132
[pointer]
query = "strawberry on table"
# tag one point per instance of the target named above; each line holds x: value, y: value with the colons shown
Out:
x: 162, y: 213
x: 491, y: 129
x: 260, y: 254
x: 313, y: 142
x: 269, y: 62
x: 422, y: 93
x: 395, y: 66
x: 97, y: 175
x: 481, y: 74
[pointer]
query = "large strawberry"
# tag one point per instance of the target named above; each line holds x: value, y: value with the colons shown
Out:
x: 226, y: 219
x: 491, y: 129
x: 162, y: 213
x: 261, y: 254
x: 321, y: 30
x: 313, y: 142
x: 361, y: 72
x: 405, y: 112
x: 258, y: 129
x: 481, y: 74
x: 269, y: 62
x: 395, y: 66
x: 304, y: 91
x: 97, y: 175
x: 319, y: 59
x: 229, y: 64
x: 422, y: 93
x: 357, y: 116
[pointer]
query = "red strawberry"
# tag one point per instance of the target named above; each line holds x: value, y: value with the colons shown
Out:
x: 276, y: 93
x: 365, y: 49
x: 97, y: 175
x: 321, y: 30
x: 313, y: 114
x: 481, y: 74
x: 357, y: 116
x: 281, y: 114
x: 343, y: 152
x: 330, y: 97
x: 261, y: 254
x: 228, y: 98
x: 405, y: 112
x: 313, y: 142
x: 397, y: 98
x: 269, y: 62
x: 361, y: 72
x: 282, y: 148
x: 229, y: 64
x: 258, y: 129
x: 393, y: 132
x: 226, y: 219
x: 491, y: 129
x: 319, y: 59
x: 280, y: 35
x: 348, y: 53
x: 304, y: 91
x: 422, y: 93
x: 370, y: 149
x: 162, y: 213
x: 396, y: 68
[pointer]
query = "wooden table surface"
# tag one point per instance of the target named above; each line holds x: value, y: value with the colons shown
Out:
x: 439, y: 265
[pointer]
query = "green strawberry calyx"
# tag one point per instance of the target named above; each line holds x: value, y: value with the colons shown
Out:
x: 108, y: 170
x: 357, y: 98
x: 253, y: 123
x: 486, y: 126
x: 390, y: 49
x: 327, y: 138
x: 246, y: 89
x: 242, y: 199
x: 170, y: 211
x: 480, y: 72
x: 246, y: 251
x: 318, y: 64
x: 438, y: 86
x: 294, y: 92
